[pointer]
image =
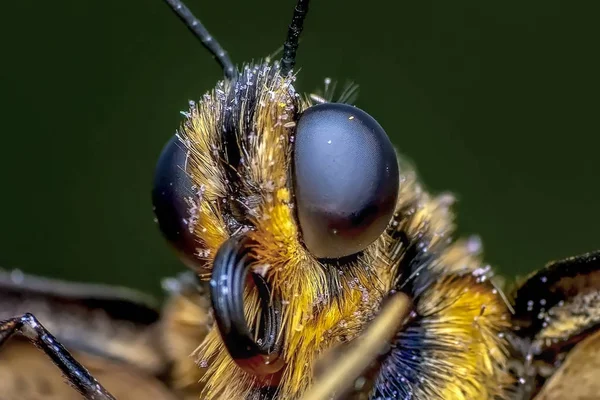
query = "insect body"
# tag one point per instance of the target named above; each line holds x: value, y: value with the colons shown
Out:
x: 314, y: 251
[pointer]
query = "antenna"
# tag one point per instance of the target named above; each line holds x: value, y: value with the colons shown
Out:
x: 291, y: 42
x: 206, y: 38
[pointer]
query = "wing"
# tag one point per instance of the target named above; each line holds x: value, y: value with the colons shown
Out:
x: 111, y: 330
x: 117, y: 333
x: 111, y: 322
x: 577, y: 377
x: 557, y: 310
x: 118, y: 302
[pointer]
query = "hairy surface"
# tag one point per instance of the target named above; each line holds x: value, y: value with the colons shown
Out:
x: 240, y: 139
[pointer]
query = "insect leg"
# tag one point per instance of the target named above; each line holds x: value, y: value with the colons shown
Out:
x: 76, y: 374
x: 341, y: 374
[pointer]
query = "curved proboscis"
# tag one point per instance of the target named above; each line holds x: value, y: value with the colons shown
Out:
x: 231, y: 269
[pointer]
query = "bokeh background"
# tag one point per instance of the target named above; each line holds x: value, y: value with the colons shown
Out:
x: 495, y: 101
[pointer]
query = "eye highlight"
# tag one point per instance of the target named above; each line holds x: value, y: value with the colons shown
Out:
x: 346, y: 179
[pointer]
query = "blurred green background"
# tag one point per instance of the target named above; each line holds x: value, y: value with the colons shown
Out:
x: 494, y: 101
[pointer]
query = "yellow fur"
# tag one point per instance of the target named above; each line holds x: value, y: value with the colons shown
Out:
x: 470, y: 315
x: 325, y: 305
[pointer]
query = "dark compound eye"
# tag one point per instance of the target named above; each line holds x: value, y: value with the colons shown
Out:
x: 346, y: 179
x: 172, y: 186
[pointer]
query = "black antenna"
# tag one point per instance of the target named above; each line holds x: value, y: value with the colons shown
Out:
x: 205, y: 37
x: 291, y: 42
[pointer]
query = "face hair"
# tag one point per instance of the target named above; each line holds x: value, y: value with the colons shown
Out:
x: 205, y: 37
x: 290, y: 45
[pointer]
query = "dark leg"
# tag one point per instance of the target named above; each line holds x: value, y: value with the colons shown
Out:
x: 75, y: 373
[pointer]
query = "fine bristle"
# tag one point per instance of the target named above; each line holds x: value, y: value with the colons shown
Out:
x: 240, y: 155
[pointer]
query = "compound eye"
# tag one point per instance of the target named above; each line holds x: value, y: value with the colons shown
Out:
x: 172, y: 186
x: 345, y: 179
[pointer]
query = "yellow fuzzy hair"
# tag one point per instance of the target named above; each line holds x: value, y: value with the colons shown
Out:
x: 463, y: 320
x: 325, y: 305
